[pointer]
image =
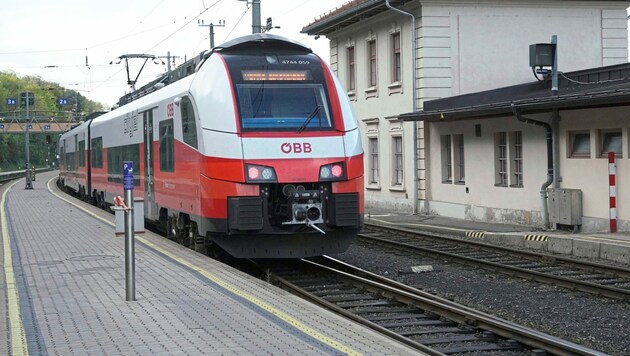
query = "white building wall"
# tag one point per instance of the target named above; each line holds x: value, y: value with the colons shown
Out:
x: 486, y: 202
x: 485, y: 44
x: 591, y: 174
x: 479, y: 198
x: 377, y: 109
x: 614, y: 37
x: 468, y: 46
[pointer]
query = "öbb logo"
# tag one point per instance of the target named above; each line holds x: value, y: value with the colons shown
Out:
x: 296, y: 147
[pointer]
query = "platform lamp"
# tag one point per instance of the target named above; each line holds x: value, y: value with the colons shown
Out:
x: 543, y: 55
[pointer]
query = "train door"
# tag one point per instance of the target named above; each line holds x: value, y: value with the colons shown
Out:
x: 150, y: 208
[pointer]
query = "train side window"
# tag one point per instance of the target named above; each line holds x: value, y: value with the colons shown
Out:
x: 167, y: 161
x: 74, y: 160
x: 115, y: 158
x: 82, y: 153
x: 62, y: 150
x: 97, y: 152
x: 189, y: 124
x: 114, y: 163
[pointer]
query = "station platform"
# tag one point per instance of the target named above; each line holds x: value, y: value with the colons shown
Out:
x: 64, y: 293
x: 613, y: 247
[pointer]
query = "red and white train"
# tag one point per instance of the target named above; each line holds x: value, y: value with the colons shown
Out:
x: 252, y: 147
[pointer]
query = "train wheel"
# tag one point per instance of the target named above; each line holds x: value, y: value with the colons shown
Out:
x: 83, y: 194
x: 197, y: 242
x: 101, y: 201
x: 171, y: 228
x: 183, y: 233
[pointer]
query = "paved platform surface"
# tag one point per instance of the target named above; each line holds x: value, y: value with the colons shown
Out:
x: 63, y: 294
x: 605, y: 246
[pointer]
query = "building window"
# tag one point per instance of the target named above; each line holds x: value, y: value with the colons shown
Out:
x: 453, y: 166
x: 167, y: 138
x: 611, y: 141
x: 351, y: 72
x: 372, y: 69
x: 373, y: 164
x: 398, y: 160
x: 396, y: 63
x: 458, y: 149
x: 508, y: 153
x: 580, y: 144
x: 517, y: 158
x: 447, y: 159
x: 501, y: 159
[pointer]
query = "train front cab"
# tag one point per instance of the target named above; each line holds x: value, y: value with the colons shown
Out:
x: 300, y: 186
x: 290, y: 221
x: 74, y: 163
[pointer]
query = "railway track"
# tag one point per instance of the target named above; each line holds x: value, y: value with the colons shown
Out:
x: 594, y: 278
x: 425, y: 322
x: 9, y: 176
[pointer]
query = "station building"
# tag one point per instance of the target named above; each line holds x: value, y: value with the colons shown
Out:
x: 464, y: 47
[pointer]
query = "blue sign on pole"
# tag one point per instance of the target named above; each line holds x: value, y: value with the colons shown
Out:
x: 62, y: 101
x: 2, y: 126
x: 11, y: 101
x: 128, y: 175
x: 46, y: 127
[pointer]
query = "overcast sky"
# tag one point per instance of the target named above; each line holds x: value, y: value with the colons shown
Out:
x: 52, y: 39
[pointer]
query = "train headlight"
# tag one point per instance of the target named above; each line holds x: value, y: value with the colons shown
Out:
x: 332, y: 172
x: 268, y: 173
x: 256, y: 174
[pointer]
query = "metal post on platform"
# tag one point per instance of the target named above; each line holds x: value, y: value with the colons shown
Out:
x: 27, y: 176
x: 612, y: 191
x: 130, y: 268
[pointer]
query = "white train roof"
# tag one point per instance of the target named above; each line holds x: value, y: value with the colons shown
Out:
x: 258, y: 38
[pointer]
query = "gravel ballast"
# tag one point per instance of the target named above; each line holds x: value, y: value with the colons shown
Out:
x: 596, y: 322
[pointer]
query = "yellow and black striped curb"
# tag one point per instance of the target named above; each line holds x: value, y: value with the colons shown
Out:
x: 542, y: 238
x: 475, y: 234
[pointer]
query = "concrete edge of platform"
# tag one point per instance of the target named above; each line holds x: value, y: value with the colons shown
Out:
x: 270, y: 299
x: 563, y: 245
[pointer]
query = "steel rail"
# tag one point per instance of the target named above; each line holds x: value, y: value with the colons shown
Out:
x: 8, y: 176
x: 566, y: 282
x: 447, y: 309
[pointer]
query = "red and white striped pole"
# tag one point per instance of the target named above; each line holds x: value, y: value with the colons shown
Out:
x: 612, y: 170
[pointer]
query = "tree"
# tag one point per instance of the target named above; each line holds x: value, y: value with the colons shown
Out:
x: 12, y: 155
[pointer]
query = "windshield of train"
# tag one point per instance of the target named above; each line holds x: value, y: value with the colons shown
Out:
x: 283, y: 106
x: 280, y: 93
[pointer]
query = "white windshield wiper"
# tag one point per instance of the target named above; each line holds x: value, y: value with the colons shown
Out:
x: 309, y: 118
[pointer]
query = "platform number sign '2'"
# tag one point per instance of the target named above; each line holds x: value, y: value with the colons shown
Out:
x: 170, y: 110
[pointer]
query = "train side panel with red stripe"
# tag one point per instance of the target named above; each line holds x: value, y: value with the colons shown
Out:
x: 257, y: 152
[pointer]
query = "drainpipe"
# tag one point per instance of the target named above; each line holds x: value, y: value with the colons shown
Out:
x: 414, y: 106
x: 555, y: 126
x: 549, y: 136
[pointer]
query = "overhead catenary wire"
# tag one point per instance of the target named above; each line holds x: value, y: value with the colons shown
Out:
x: 186, y: 24
x: 166, y: 38
x: 236, y: 24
